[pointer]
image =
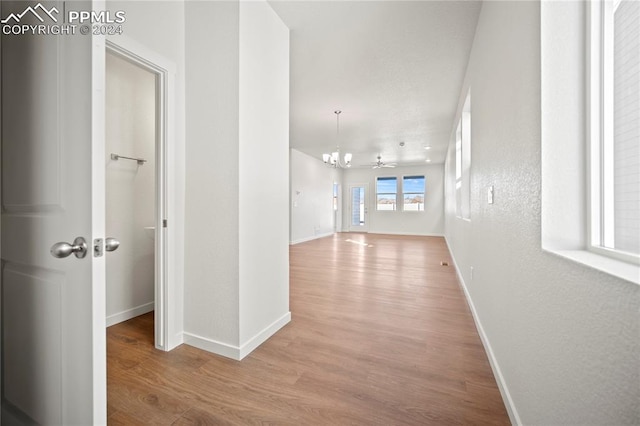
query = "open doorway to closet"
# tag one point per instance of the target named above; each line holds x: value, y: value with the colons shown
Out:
x: 130, y: 187
x: 139, y: 122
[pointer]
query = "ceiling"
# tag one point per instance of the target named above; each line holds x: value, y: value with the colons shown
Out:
x: 394, y: 68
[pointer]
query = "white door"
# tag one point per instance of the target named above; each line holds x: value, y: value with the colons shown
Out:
x: 359, y: 217
x: 53, y: 325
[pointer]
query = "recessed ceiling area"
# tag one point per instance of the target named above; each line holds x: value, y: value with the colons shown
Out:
x: 394, y: 68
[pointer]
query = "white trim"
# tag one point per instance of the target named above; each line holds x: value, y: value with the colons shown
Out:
x: 213, y: 346
x: 261, y: 337
x: 129, y: 313
x: 410, y: 234
x: 139, y: 52
x: 607, y: 264
x: 593, y: 73
x: 232, y: 351
x: 495, y: 367
x: 600, y: 253
x: 313, y: 237
x: 98, y: 222
x: 605, y: 142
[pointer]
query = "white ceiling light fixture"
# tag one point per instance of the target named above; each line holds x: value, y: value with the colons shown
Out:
x: 333, y: 159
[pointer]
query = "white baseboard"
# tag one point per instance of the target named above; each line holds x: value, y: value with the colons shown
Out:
x: 411, y: 234
x: 129, y: 313
x: 236, y: 352
x: 311, y: 238
x: 497, y: 372
x: 213, y: 346
x: 260, y: 338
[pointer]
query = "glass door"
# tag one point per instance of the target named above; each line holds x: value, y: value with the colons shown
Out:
x: 358, y: 219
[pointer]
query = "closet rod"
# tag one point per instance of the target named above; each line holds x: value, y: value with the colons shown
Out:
x: 117, y: 157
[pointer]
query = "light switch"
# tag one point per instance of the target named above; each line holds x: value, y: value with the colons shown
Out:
x: 490, y: 195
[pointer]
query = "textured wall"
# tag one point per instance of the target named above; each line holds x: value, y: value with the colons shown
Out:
x: 564, y: 336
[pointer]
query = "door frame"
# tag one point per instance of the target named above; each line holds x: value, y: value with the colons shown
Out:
x: 351, y: 227
x: 337, y: 213
x: 164, y: 70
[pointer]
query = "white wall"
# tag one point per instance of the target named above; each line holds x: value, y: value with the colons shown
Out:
x: 130, y: 188
x: 236, y: 275
x: 311, y: 198
x: 429, y: 222
x: 212, y: 219
x: 159, y: 26
x: 562, y: 337
x: 264, y: 174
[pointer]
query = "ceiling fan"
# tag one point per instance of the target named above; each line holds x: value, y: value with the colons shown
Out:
x: 379, y: 164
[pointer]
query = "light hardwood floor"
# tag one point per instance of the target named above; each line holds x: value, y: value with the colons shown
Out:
x: 381, y: 334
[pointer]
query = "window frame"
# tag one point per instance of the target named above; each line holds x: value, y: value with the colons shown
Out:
x: 424, y: 193
x: 564, y: 129
x: 463, y: 161
x: 458, y: 169
x: 600, y: 164
x: 395, y: 194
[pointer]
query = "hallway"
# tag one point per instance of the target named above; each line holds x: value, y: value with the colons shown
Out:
x: 381, y: 334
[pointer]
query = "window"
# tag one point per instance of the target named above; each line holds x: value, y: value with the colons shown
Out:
x: 572, y: 113
x: 413, y: 193
x: 615, y: 129
x: 463, y: 161
x: 459, y: 156
x: 386, y: 193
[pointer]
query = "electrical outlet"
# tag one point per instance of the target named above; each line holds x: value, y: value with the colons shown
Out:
x: 471, y: 274
x: 490, y: 195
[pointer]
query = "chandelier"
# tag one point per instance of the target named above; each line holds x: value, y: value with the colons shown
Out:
x: 333, y: 159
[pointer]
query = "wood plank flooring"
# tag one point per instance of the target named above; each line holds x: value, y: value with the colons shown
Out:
x: 381, y: 335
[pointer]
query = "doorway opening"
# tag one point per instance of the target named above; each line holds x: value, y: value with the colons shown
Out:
x: 136, y: 171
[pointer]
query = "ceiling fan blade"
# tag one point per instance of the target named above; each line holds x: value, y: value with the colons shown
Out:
x: 391, y: 166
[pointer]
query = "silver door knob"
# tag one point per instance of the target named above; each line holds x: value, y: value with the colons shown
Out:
x: 111, y: 244
x: 61, y: 250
